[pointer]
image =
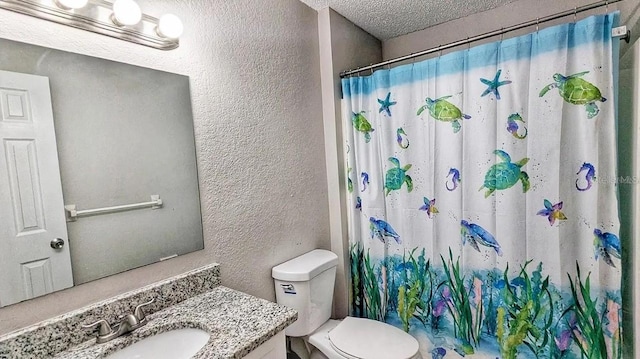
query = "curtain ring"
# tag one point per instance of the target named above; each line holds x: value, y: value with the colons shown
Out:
x: 439, y: 51
x: 468, y: 44
x: 501, y: 34
x: 575, y: 14
x: 371, y: 68
x: 537, y: 24
x: 606, y: 8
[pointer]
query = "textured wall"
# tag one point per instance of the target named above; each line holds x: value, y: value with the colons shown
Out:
x: 629, y: 194
x: 255, y: 89
x: 343, y: 45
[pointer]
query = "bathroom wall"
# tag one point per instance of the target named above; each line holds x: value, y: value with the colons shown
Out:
x: 343, y: 46
x: 629, y: 170
x: 256, y: 99
x: 504, y: 16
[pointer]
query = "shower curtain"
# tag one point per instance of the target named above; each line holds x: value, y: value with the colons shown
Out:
x: 483, y: 215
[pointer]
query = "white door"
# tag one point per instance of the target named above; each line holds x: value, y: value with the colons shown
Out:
x: 31, y: 205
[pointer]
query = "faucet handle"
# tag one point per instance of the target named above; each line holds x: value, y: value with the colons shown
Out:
x: 138, y: 312
x: 105, y: 328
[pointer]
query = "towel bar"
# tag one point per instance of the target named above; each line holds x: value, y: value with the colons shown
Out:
x: 73, y: 213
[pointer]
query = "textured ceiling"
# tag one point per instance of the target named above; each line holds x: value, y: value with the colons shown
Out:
x: 386, y: 19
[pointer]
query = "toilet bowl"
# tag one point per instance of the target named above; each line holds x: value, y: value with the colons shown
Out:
x: 305, y: 283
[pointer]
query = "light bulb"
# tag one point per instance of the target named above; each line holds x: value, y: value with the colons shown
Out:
x: 169, y: 26
x: 126, y: 13
x: 71, y: 4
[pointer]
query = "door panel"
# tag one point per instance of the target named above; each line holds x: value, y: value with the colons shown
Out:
x: 37, y: 278
x: 24, y: 186
x: 31, y: 201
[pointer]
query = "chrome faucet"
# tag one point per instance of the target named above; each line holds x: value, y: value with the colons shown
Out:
x: 128, y: 323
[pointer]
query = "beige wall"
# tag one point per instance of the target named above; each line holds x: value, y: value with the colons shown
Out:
x: 255, y: 92
x: 628, y: 167
x: 343, y: 45
x: 504, y: 16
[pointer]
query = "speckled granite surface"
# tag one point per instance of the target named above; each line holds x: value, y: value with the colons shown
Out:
x: 47, y: 338
x: 237, y: 322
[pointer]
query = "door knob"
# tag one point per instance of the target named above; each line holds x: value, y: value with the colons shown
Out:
x: 57, y: 243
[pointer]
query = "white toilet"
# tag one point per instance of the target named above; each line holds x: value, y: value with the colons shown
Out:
x: 306, y: 283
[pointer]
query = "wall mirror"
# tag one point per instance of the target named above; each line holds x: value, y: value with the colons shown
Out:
x: 91, y: 134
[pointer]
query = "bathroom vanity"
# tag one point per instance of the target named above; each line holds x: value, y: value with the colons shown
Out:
x: 239, y: 325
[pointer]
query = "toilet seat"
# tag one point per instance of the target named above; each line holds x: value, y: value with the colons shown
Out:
x: 357, y: 338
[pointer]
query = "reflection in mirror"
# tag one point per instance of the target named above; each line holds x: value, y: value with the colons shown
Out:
x: 123, y: 134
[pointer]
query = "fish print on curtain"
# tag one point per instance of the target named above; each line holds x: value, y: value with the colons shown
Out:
x: 481, y: 227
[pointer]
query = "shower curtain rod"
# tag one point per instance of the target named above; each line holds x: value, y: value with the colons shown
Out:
x: 624, y: 36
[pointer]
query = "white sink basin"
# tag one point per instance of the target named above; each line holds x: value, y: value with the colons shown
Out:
x: 174, y: 344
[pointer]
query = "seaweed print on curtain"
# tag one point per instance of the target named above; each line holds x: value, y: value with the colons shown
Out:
x: 478, y: 222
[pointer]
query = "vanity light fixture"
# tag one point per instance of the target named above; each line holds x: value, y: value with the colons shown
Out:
x: 169, y: 26
x: 122, y: 19
x: 126, y: 13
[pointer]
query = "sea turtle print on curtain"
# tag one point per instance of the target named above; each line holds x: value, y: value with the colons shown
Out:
x: 491, y: 236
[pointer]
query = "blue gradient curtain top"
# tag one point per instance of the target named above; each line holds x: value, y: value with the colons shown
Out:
x: 567, y: 35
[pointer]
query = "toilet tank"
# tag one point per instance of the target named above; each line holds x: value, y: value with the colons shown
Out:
x: 305, y: 283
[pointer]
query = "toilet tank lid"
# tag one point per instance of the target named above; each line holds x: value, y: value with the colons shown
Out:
x: 306, y: 266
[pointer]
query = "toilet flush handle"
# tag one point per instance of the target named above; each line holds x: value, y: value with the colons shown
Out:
x: 288, y: 288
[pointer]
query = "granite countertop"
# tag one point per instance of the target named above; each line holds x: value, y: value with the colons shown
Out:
x: 238, y: 323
